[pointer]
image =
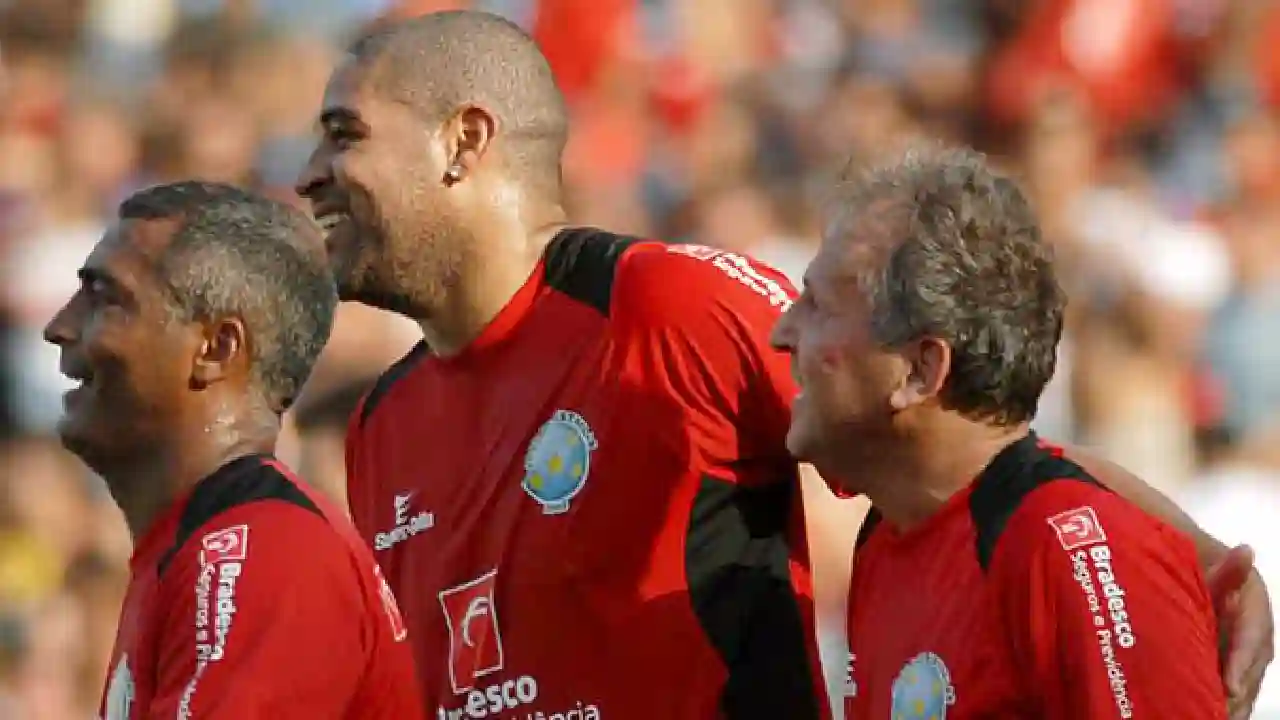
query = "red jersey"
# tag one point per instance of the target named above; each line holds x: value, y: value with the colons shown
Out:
x: 1034, y: 593
x: 254, y: 599
x: 586, y: 513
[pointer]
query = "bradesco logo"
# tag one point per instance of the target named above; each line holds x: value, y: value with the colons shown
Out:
x: 475, y: 652
x: 1078, y: 528
x: 221, y: 554
x: 1093, y: 569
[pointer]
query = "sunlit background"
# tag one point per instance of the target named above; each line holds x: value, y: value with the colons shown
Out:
x: 1146, y: 131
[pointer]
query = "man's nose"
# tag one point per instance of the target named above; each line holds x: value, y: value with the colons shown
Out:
x: 61, y: 330
x: 313, y: 176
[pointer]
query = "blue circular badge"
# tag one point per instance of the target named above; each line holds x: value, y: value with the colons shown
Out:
x: 922, y: 690
x: 558, y: 461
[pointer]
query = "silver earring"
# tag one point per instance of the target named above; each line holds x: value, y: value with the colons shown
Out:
x: 453, y: 174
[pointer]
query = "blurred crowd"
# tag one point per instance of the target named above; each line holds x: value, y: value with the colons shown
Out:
x: 1146, y: 130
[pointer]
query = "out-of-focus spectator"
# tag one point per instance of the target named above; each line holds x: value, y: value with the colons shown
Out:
x: 1132, y: 58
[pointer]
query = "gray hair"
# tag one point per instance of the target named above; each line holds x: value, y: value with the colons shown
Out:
x: 237, y: 254
x: 969, y: 267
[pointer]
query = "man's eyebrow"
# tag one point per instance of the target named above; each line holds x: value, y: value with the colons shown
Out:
x: 89, y: 275
x: 339, y: 115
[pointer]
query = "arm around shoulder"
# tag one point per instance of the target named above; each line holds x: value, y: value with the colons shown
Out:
x: 1105, y: 610
x: 1138, y: 492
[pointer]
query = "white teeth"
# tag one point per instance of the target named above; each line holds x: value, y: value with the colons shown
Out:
x: 77, y: 373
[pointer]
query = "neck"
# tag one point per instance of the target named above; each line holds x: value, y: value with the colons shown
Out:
x: 148, y: 485
x: 911, y: 478
x: 486, y: 286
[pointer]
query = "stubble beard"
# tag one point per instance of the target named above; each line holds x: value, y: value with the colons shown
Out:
x: 409, y: 274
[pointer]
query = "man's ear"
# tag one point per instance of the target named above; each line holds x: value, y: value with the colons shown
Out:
x: 222, y: 353
x: 471, y: 133
x: 928, y: 364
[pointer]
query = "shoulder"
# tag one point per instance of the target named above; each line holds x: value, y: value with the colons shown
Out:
x: 254, y: 510
x: 382, y: 386
x: 1067, y: 515
x: 638, y: 281
x: 584, y: 263
x: 1063, y: 517
x: 689, y: 284
x: 1071, y: 545
x: 1035, y: 496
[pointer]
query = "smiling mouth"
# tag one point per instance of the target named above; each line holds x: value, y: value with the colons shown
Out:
x: 81, y: 376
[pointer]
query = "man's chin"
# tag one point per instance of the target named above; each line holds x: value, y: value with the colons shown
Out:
x: 808, y: 445
x: 800, y: 443
x: 79, y: 441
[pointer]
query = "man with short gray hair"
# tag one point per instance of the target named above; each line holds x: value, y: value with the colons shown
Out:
x: 198, y: 319
x: 996, y: 576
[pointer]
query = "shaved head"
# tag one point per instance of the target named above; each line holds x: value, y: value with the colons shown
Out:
x: 441, y: 63
x: 437, y: 170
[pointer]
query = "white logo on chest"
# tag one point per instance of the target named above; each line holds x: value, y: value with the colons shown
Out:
x: 404, y: 524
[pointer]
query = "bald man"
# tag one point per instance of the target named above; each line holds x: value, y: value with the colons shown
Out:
x: 577, y: 484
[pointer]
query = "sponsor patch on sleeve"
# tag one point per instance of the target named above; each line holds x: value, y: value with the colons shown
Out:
x: 225, y: 545
x: 222, y: 554
x: 1093, y: 570
x: 741, y: 269
x: 1078, y: 528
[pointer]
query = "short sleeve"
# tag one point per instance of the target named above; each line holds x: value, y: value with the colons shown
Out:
x: 694, y: 324
x: 265, y: 618
x: 696, y: 321
x: 1105, y: 611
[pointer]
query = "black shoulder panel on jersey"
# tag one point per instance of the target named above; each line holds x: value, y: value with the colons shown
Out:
x: 868, y: 526
x: 581, y: 262
x: 738, y: 570
x: 1012, y: 475
x: 389, y: 378
x: 239, y: 482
